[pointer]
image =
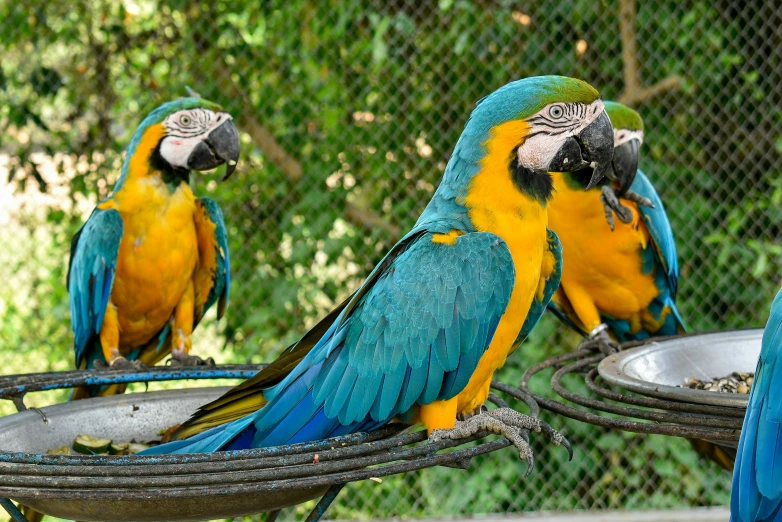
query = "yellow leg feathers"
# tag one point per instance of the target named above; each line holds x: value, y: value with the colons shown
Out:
x: 584, y: 306
x: 109, y: 334
x: 439, y: 415
x: 182, y: 329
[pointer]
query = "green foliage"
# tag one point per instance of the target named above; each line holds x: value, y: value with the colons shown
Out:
x: 368, y: 100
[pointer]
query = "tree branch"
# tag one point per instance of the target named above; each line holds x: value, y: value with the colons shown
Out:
x: 369, y: 221
x: 634, y: 92
x: 270, y: 147
x: 643, y: 94
x: 289, y: 165
x: 276, y: 154
x: 630, y: 67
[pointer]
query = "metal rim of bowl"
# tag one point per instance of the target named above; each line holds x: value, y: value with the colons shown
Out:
x: 612, y: 370
x: 719, y: 424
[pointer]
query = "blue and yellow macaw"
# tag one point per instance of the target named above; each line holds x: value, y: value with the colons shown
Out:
x: 421, y: 338
x: 152, y: 258
x: 619, y: 282
x: 757, y: 475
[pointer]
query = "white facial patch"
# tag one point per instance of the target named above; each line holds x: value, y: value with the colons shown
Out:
x: 622, y: 136
x: 551, y: 127
x: 186, y: 129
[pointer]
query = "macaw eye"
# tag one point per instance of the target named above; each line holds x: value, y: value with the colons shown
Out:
x: 185, y: 120
x: 556, y: 112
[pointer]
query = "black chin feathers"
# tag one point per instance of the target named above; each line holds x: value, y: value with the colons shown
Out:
x: 537, y: 184
x: 170, y: 174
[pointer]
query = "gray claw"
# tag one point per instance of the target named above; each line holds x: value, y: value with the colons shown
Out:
x: 600, y: 342
x: 120, y: 363
x: 608, y: 211
x: 530, y: 464
x: 480, y: 409
x: 509, y: 423
x: 611, y: 203
x: 638, y: 199
x: 183, y: 359
x: 556, y: 438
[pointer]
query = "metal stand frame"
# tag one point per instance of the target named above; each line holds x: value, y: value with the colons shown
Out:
x: 388, y: 451
x: 719, y: 424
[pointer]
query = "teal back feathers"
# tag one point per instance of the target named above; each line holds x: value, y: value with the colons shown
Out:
x: 416, y: 329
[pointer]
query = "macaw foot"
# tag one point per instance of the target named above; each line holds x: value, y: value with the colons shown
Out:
x: 600, y: 340
x: 180, y: 358
x: 612, y: 204
x: 120, y: 363
x: 635, y: 197
x: 506, y: 422
x: 477, y: 411
x: 166, y: 434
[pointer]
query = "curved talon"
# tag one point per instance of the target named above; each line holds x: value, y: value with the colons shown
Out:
x: 624, y: 213
x: 477, y: 411
x: 182, y: 359
x: 507, y: 422
x: 608, y: 211
x: 557, y: 438
x: 635, y: 197
x: 600, y: 340
x: 611, y: 202
x: 120, y: 363
x: 530, y: 464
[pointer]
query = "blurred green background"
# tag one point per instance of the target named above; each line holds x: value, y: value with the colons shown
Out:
x: 349, y: 111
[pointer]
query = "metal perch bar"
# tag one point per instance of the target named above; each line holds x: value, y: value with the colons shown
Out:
x: 678, y: 419
x: 11, y: 509
x: 37, y: 477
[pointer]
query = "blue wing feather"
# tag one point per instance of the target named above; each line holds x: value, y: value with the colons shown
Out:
x: 757, y: 474
x: 91, y: 273
x: 663, y: 256
x: 342, y: 378
x: 221, y: 282
x: 659, y: 227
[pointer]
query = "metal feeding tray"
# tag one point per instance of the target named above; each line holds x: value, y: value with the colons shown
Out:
x: 139, y: 416
x: 637, y: 387
x: 657, y: 368
x: 204, y: 486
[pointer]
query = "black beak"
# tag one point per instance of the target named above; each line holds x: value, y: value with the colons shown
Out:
x: 593, y: 149
x: 625, y: 164
x: 221, y: 146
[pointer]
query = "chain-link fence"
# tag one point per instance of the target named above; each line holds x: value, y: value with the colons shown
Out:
x: 349, y: 113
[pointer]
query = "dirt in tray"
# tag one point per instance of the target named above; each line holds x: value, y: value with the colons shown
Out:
x: 736, y: 382
x: 90, y: 445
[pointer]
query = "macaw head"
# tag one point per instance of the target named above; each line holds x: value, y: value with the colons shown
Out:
x: 181, y: 136
x: 628, y: 138
x: 534, y: 126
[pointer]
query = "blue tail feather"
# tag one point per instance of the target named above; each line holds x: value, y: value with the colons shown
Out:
x: 215, y: 439
x: 757, y: 475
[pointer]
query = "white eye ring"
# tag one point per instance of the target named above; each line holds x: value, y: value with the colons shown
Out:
x: 556, y: 112
x: 185, y: 120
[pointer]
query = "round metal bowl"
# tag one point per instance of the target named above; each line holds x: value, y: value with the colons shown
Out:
x: 139, y: 416
x: 655, y: 369
x: 607, y: 398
